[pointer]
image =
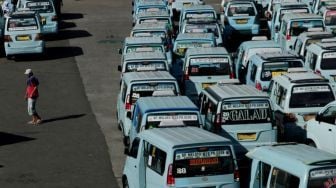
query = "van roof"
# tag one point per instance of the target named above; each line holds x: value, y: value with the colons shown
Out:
x: 207, y: 51
x: 193, y: 36
x: 168, y: 138
x: 295, y: 16
x: 228, y: 91
x: 142, y: 40
x: 147, y: 76
x: 153, y: 104
x: 144, y: 56
x: 296, y: 157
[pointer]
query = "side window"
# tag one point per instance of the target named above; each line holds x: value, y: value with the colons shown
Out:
x: 211, y: 111
x: 329, y: 115
x: 280, y: 96
x: 253, y: 72
x: 265, y: 171
x: 139, y: 119
x: 155, y: 158
x: 134, y: 148
x: 203, y: 102
x: 297, y: 46
x: 282, y: 179
x: 123, y: 91
x: 270, y: 87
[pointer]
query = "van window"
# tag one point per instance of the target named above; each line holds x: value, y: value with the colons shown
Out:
x: 297, y: 27
x: 40, y: 7
x: 181, y: 47
x: 241, y: 9
x: 265, y: 171
x: 280, y: 94
x: 161, y: 34
x: 123, y: 91
x: 150, y: 19
x: 298, y: 46
x: 272, y: 69
x: 202, y: 28
x: 155, y: 158
x: 206, y: 66
x: 284, y: 179
x: 158, y: 48
x: 211, y: 110
x: 189, y: 119
x: 147, y: 89
x: 246, y: 111
x: 307, y: 96
x: 203, y: 161
x: 253, y: 72
x: 322, y: 177
x: 284, y: 28
x: 143, y: 65
x: 312, y: 58
x: 328, y: 61
x: 22, y: 24
x: 203, y: 14
x: 135, y: 147
x: 292, y: 10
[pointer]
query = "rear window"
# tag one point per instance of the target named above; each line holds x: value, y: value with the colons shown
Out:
x: 22, y: 24
x: 328, y: 61
x: 246, y: 111
x: 161, y: 34
x: 322, y: 177
x: 40, y: 6
x: 207, y: 15
x: 241, y: 9
x: 272, y: 69
x: 188, y: 119
x: 147, y: 89
x: 152, y: 9
x: 151, y: 20
x: 307, y: 96
x: 207, y: 66
x: 330, y: 18
x: 181, y: 47
x: 203, y: 161
x: 296, y: 10
x: 146, y: 66
x: 202, y: 28
x: 297, y: 27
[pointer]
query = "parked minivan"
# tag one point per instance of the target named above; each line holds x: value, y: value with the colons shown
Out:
x: 292, y: 165
x: 180, y: 157
x: 239, y: 112
x: 165, y: 111
x: 135, y: 85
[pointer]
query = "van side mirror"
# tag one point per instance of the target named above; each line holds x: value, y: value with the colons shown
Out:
x: 129, y: 115
x: 120, y: 51
x: 119, y: 68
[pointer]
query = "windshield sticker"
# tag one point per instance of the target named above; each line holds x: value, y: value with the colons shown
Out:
x: 182, y: 117
x: 209, y: 60
x: 203, y: 15
x: 307, y: 89
x: 323, y: 173
x: 329, y: 55
x: 204, y: 154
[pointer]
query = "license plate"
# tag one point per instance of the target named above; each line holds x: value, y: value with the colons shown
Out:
x: 247, y: 136
x: 241, y: 21
x: 22, y: 38
x: 274, y: 74
x: 205, y: 85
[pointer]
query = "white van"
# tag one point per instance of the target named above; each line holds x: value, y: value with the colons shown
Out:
x: 181, y: 157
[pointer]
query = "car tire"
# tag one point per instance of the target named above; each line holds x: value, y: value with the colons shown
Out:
x: 125, y: 183
x: 312, y: 144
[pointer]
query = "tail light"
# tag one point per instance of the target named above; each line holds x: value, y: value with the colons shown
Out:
x: 258, y: 86
x: 288, y: 37
x: 236, y: 175
x: 290, y: 117
x: 128, y: 104
x: 54, y: 18
x: 318, y: 72
x: 217, y: 123
x: 7, y: 38
x: 232, y: 76
x: 170, y: 176
x: 38, y: 37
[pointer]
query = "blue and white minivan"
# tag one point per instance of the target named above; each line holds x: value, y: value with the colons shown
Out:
x: 180, y: 157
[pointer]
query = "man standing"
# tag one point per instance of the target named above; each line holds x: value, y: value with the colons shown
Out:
x: 31, y: 97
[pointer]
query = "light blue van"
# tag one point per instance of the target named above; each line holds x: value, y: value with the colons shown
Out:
x: 180, y: 157
x: 166, y: 111
x: 292, y: 165
x: 239, y: 112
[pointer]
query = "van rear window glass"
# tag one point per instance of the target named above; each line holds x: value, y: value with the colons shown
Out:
x: 152, y: 9
x: 147, y: 89
x: 146, y: 66
x: 144, y: 49
x: 181, y: 47
x: 151, y: 20
x: 203, y: 161
x: 188, y: 119
x: 207, y: 66
x: 328, y: 61
x: 200, y: 15
x: 298, y: 27
x: 161, y: 34
x: 273, y: 69
x: 307, y: 96
x: 323, y: 177
x: 241, y: 9
x: 292, y: 10
x: 22, y: 24
x: 330, y: 18
x: 246, y: 111
x: 40, y: 6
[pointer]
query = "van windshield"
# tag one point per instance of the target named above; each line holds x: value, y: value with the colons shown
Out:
x: 147, y: 89
x: 306, y: 96
x: 322, y: 177
x: 203, y: 161
x: 22, y: 24
x: 202, y: 28
x: 144, y: 49
x: 256, y: 50
x: 146, y: 66
x: 188, y: 119
x: 292, y: 10
x: 161, y: 34
x: 297, y: 27
x: 151, y: 20
x: 241, y: 9
x: 208, y: 66
x: 40, y: 6
x: 273, y: 69
x: 181, y: 47
x: 328, y: 61
x: 207, y: 15
x: 246, y: 111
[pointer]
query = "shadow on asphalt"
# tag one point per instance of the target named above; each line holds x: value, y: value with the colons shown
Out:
x: 71, y: 16
x: 66, y: 25
x: 63, y: 118
x: 67, y: 34
x: 7, y: 138
x: 52, y: 53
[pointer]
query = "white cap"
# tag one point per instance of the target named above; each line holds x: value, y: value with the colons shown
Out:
x: 28, y: 71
